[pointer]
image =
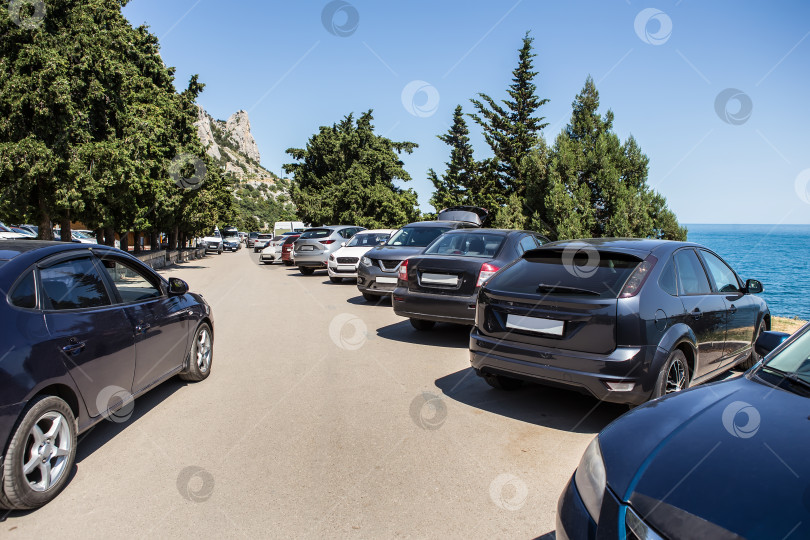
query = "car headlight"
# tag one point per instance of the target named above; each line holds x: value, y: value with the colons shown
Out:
x: 365, y: 261
x: 590, y: 479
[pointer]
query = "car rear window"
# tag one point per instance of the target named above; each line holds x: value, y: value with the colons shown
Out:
x: 582, y: 272
x: 289, y: 240
x: 467, y: 244
x: 316, y: 233
x: 74, y: 284
x: 265, y: 236
x: 416, y: 236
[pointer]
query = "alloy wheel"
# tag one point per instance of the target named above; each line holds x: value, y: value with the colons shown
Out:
x: 47, y: 448
x: 203, y: 350
x: 676, y: 377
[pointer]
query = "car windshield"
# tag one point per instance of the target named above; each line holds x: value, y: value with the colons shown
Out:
x: 416, y: 236
x: 253, y: 235
x: 467, y: 244
x: 316, y: 233
x: 566, y: 272
x: 368, y: 239
x: 795, y: 358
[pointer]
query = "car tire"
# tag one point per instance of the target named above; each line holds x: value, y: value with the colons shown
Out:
x: 753, y: 358
x: 200, y: 355
x: 502, y: 383
x: 307, y: 271
x: 370, y: 297
x: 335, y: 279
x: 288, y: 263
x: 422, y: 324
x: 674, y: 376
x: 43, y: 413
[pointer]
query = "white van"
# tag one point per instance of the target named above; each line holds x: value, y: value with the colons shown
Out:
x: 288, y: 226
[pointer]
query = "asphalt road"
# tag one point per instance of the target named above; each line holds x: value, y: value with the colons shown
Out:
x: 324, y: 416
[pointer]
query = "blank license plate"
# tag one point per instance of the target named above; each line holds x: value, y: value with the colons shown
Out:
x: 346, y: 267
x: 535, y: 324
x: 439, y: 279
x: 307, y: 248
x: 389, y: 280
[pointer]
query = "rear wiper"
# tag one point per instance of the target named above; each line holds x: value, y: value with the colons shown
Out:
x: 792, y: 377
x: 543, y: 287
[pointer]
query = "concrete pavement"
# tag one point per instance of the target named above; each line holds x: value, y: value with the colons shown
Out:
x: 324, y: 416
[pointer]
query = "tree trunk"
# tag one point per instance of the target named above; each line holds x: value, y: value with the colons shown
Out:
x: 124, y: 240
x: 153, y: 241
x: 109, y: 236
x: 66, y: 236
x: 100, y: 236
x: 137, y: 241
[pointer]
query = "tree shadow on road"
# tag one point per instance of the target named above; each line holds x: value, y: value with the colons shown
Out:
x: 442, y: 335
x: 556, y: 408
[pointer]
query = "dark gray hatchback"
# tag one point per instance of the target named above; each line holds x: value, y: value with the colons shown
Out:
x: 625, y: 320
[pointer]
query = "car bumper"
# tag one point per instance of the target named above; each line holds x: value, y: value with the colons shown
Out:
x: 434, y: 307
x: 209, y: 247
x: 342, y: 271
x: 367, y: 280
x: 584, y: 372
x: 315, y: 260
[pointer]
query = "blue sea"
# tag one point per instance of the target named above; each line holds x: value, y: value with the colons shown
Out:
x: 776, y: 255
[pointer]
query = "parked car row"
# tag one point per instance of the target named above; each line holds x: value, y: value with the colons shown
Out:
x: 623, y: 320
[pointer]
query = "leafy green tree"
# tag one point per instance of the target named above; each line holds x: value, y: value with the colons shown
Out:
x: 595, y: 186
x: 346, y: 175
x: 512, y: 127
x: 90, y: 123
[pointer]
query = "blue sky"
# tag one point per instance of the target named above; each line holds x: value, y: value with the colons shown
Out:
x: 718, y: 155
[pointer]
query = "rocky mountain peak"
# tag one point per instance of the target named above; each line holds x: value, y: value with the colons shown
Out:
x: 232, y: 144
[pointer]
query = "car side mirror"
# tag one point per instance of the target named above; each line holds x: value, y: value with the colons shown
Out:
x: 177, y: 287
x: 752, y: 286
x: 768, y: 341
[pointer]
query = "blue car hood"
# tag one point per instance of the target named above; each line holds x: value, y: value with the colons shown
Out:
x: 734, y: 454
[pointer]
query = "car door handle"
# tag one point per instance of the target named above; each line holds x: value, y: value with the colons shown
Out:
x: 732, y: 309
x: 142, y: 328
x: 75, y: 348
x: 186, y: 313
x: 696, y: 313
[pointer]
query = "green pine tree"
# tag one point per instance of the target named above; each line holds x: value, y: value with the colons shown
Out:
x: 512, y: 128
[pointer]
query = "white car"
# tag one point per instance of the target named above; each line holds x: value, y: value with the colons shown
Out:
x: 272, y: 251
x: 343, y: 262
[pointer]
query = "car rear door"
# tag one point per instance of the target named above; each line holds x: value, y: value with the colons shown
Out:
x: 742, y: 310
x: 160, y: 322
x: 704, y: 311
x: 91, y: 335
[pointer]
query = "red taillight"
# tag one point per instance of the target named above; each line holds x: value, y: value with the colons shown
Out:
x: 327, y: 242
x: 638, y: 277
x: 487, y: 271
x: 403, y: 271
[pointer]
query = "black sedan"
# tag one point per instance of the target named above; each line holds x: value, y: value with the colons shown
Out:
x: 442, y: 283
x: 622, y: 319
x: 85, y: 331
x: 727, y: 460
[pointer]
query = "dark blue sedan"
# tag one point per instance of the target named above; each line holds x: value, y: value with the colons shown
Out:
x: 85, y: 330
x: 726, y: 460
